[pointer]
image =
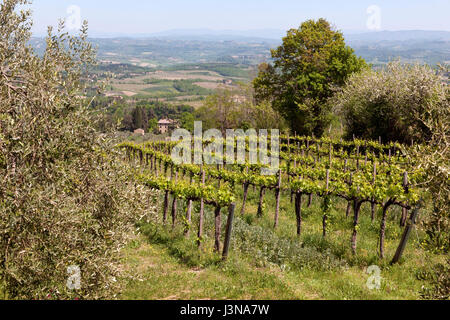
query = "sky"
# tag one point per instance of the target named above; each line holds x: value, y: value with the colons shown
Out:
x: 150, y: 16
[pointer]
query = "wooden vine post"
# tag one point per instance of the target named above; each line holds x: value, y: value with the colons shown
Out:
x: 174, y: 204
x: 357, y: 209
x: 349, y: 209
x: 406, y: 234
x: 326, y: 199
x: 295, y: 167
x: 355, y: 226
x: 217, y: 228
x: 188, y: 215
x: 289, y: 159
x: 310, y: 199
x: 229, y: 230
x: 298, y: 211
x: 166, y: 206
x: 201, y: 214
x: 278, y: 197
x: 141, y: 157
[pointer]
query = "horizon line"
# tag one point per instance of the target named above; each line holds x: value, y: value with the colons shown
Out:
x: 225, y: 32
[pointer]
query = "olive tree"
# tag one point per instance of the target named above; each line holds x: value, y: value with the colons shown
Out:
x: 66, y: 204
x: 394, y: 103
x: 433, y: 158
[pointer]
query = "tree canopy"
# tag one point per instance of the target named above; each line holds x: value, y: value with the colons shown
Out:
x: 394, y: 103
x: 310, y: 64
x: 65, y: 202
x: 228, y: 109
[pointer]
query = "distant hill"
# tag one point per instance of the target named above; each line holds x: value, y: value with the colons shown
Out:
x: 415, y: 35
x: 217, y: 35
x: 252, y: 47
x: 275, y: 34
x: 419, y: 46
x: 268, y: 35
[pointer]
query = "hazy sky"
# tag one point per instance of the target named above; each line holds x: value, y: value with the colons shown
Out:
x: 147, y: 16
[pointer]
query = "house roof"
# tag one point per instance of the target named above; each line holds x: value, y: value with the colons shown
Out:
x: 165, y: 121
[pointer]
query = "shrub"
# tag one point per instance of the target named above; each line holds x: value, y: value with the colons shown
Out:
x: 266, y: 247
x: 394, y: 103
x: 438, y: 278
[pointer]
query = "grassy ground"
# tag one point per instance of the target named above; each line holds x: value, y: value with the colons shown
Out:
x: 272, y: 264
x: 161, y: 263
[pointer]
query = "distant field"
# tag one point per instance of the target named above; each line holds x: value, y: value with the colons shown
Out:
x: 212, y: 85
x: 187, y: 84
x: 182, y: 74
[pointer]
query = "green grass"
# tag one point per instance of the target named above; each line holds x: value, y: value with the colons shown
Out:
x: 164, y: 275
x: 273, y: 264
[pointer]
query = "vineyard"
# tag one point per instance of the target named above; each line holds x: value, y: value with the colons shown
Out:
x: 345, y: 197
x: 358, y: 172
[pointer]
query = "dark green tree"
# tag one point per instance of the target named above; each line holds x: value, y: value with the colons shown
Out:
x: 308, y: 67
x: 127, y: 123
x: 140, y: 119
